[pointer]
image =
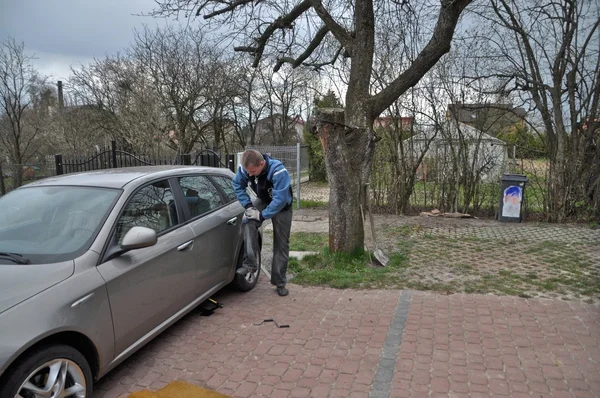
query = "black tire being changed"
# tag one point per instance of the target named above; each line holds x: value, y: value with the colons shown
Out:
x: 247, y: 282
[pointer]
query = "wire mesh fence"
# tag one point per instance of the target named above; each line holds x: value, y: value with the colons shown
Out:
x: 294, y: 158
x: 425, y: 194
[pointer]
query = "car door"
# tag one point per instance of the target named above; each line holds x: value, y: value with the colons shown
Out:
x: 216, y: 230
x: 147, y: 286
x: 232, y: 209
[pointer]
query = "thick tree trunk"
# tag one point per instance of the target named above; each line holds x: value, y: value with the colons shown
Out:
x: 348, y: 156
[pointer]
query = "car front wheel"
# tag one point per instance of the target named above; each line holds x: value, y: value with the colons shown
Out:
x: 52, y: 371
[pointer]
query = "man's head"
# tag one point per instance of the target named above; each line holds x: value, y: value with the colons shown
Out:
x: 253, y: 162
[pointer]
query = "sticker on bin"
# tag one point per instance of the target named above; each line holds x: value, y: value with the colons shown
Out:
x: 513, y: 195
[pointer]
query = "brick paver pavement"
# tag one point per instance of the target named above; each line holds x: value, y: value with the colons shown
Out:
x: 374, y: 343
x: 480, y: 346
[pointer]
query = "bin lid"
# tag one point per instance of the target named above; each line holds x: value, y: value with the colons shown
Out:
x: 514, y: 177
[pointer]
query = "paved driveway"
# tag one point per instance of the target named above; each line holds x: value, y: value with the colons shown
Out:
x: 374, y: 343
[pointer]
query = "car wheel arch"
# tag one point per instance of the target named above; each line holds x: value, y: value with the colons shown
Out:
x: 76, y: 340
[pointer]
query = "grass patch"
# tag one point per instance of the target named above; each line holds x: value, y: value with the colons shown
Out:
x: 403, y: 230
x: 308, y: 241
x: 462, y: 268
x: 312, y: 204
x: 542, y: 247
x: 547, y: 268
x: 345, y: 270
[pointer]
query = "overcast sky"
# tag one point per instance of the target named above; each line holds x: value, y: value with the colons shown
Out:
x: 72, y: 32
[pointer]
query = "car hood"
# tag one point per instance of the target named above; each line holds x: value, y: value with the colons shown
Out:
x: 20, y: 282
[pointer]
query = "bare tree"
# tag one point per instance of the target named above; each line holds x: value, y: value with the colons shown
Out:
x: 468, y: 155
x: 220, y: 134
x: 182, y: 66
x: 305, y: 32
x: 405, y: 127
x: 20, y: 121
x: 249, y: 102
x: 285, y: 98
x: 548, y: 52
x: 110, y: 94
x: 167, y: 89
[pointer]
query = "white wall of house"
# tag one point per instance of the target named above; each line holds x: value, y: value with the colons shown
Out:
x: 486, y: 155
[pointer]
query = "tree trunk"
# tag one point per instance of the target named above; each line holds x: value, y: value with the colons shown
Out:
x: 2, y: 186
x: 348, y: 156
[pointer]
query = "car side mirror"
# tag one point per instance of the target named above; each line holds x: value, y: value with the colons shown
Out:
x: 138, y: 238
x: 135, y: 238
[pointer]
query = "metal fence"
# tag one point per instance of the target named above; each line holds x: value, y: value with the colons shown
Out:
x: 113, y: 157
x: 295, y: 159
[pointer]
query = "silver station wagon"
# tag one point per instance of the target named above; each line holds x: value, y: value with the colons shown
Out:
x: 94, y: 265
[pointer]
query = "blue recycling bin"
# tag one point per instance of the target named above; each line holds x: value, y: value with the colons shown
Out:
x: 512, y: 193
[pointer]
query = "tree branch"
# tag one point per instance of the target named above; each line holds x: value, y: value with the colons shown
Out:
x: 245, y: 49
x: 315, y: 42
x: 283, y: 22
x: 340, y: 33
x: 317, y: 66
x: 438, y: 45
x: 230, y: 7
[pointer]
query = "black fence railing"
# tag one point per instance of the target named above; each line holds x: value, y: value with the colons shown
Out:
x: 114, y: 158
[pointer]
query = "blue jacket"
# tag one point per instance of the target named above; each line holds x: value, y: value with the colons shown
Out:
x: 272, y: 186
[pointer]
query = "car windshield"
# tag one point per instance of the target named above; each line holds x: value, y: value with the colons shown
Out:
x: 50, y: 224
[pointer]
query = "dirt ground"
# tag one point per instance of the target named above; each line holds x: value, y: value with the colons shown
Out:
x: 451, y: 255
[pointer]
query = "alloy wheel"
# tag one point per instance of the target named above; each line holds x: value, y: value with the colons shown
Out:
x: 58, y: 378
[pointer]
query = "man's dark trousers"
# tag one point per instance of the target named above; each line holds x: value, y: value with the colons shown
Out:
x: 282, y: 226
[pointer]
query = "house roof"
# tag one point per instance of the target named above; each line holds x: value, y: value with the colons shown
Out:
x: 490, y: 118
x: 467, y: 133
x: 468, y: 112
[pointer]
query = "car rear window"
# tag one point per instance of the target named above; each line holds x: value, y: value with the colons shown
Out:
x: 226, y: 185
x: 200, y: 194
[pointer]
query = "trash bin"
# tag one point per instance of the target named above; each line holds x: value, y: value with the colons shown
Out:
x: 512, y: 190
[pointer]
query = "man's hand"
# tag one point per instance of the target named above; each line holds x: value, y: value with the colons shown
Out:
x: 252, y: 213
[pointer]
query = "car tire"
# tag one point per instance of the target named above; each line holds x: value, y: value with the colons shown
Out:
x: 246, y: 282
x: 37, y: 364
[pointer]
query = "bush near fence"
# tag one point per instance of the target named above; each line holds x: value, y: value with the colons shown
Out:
x: 37, y: 169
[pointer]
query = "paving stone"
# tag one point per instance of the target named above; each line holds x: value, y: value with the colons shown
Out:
x: 426, y: 344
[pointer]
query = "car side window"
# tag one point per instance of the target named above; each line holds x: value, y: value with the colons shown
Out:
x: 226, y: 185
x: 153, y: 206
x: 200, y: 194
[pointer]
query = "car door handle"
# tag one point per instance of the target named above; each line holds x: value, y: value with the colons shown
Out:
x: 232, y: 221
x: 185, y: 246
